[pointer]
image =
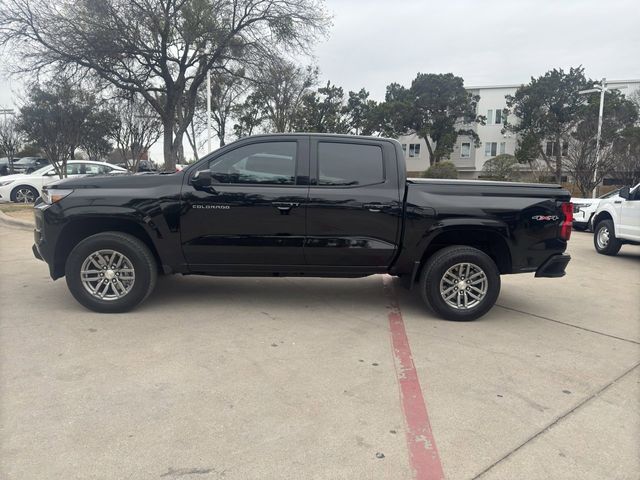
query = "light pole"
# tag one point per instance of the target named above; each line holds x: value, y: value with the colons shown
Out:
x: 602, y: 88
x: 208, y: 112
x: 7, y: 111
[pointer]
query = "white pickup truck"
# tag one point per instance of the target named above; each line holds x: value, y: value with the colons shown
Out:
x: 617, y: 221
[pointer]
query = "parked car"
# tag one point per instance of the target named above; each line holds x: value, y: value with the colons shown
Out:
x: 25, y: 188
x: 4, y: 165
x: 617, y: 221
x: 143, y: 166
x: 585, y: 208
x: 29, y: 164
x: 301, y: 205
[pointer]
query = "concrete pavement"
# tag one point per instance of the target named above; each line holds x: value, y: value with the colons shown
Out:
x: 232, y: 378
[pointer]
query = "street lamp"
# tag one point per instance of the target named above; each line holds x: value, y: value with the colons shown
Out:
x: 601, y: 88
x: 208, y: 111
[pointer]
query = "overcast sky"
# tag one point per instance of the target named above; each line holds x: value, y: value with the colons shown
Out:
x: 375, y: 42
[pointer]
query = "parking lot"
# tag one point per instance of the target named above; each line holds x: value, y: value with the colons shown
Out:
x: 278, y: 378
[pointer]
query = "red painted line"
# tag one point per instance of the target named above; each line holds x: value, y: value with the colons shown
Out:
x: 423, y: 454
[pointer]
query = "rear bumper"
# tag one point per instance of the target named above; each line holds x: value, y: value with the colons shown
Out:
x: 554, y: 266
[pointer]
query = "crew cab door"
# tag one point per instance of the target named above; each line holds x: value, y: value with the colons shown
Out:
x: 355, y: 203
x: 254, y: 213
x: 629, y: 227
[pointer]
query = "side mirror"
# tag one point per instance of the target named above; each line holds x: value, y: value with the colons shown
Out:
x: 624, y: 193
x: 202, y: 180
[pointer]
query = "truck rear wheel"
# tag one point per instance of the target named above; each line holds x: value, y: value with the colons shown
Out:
x: 111, y: 272
x: 460, y: 283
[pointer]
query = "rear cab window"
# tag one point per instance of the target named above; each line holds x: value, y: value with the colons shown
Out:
x: 349, y: 164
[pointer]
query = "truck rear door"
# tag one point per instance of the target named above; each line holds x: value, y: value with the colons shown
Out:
x: 355, y: 203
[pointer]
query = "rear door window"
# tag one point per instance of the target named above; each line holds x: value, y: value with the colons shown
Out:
x: 349, y: 164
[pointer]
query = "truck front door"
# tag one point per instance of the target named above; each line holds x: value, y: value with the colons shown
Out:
x: 254, y: 213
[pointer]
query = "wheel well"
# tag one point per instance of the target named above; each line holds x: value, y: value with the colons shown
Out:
x: 491, y: 243
x: 80, y: 229
x: 601, y: 216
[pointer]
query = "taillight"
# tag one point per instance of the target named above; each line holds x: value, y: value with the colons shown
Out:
x: 567, y: 221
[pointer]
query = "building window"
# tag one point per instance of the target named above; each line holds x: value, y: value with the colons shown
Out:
x: 490, y: 117
x: 550, y: 149
x: 490, y: 149
x: 465, y: 150
x: 498, y: 116
x: 414, y: 149
x: 503, y: 148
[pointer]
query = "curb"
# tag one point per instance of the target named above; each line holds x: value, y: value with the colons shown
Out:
x: 15, y: 222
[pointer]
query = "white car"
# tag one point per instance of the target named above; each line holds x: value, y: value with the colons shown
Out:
x: 585, y: 208
x: 25, y: 188
x: 617, y: 221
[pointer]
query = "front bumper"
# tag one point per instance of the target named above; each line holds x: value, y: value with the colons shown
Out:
x: 554, y: 266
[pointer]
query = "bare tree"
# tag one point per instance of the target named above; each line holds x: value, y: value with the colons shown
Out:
x: 160, y: 49
x: 136, y: 130
x: 226, y: 93
x: 580, y: 163
x: 11, y: 140
x: 281, y: 87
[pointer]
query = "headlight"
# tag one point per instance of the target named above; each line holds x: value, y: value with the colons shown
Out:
x: 54, y: 195
x: 5, y: 183
x: 585, y: 205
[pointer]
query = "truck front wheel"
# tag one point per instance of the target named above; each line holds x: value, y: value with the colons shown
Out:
x: 604, y: 238
x: 460, y: 283
x: 111, y: 272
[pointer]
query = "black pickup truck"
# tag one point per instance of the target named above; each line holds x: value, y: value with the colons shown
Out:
x: 301, y: 205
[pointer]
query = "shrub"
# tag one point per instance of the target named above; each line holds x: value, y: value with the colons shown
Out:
x: 441, y: 170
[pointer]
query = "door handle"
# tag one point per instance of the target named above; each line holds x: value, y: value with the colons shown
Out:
x: 375, y: 207
x: 284, y: 206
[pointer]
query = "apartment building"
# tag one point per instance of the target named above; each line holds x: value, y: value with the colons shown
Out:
x: 470, y: 159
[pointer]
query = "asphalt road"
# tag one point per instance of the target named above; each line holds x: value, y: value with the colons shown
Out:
x: 232, y: 378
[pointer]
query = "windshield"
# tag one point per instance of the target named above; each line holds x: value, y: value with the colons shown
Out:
x: 610, y: 194
x: 41, y: 171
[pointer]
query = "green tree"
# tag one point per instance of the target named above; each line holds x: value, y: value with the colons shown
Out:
x: 441, y: 170
x: 436, y: 107
x: 249, y: 116
x: 160, y: 49
x: 548, y: 109
x: 322, y: 111
x: 59, y: 117
x: 361, y: 113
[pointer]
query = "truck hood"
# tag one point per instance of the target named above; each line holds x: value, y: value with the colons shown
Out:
x: 115, y: 181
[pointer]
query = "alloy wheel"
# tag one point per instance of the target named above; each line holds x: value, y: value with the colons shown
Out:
x: 107, y: 275
x: 463, y: 286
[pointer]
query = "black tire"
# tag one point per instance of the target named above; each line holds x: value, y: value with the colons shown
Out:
x: 439, y: 264
x: 579, y: 228
x: 604, y: 238
x: 19, y: 194
x: 143, y: 263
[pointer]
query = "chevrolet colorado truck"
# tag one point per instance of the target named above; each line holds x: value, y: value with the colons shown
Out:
x: 301, y: 205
